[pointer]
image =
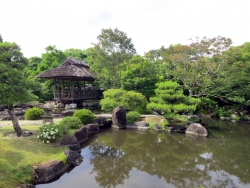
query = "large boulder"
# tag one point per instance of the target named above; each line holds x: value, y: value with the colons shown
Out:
x: 119, y: 118
x: 92, y: 128
x: 81, y: 135
x: 47, y: 171
x: 196, y: 129
x: 143, y: 125
x: 68, y: 141
x: 71, y: 142
x: 68, y: 112
x: 74, y: 158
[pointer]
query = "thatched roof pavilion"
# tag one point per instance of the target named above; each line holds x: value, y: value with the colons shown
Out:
x: 67, y: 73
x: 70, y: 69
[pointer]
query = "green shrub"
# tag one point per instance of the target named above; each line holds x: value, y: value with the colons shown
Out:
x: 63, y: 129
x: 85, y: 115
x: 41, y: 100
x: 223, y: 112
x: 71, y: 122
x: 48, y: 133
x: 152, y: 125
x: 207, y: 105
x: 33, y: 113
x: 170, y: 99
x: 164, y: 124
x: 132, y: 117
x: 130, y: 100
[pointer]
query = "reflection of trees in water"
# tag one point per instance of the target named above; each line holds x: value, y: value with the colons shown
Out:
x: 231, y: 149
x: 181, y: 160
x: 109, y: 164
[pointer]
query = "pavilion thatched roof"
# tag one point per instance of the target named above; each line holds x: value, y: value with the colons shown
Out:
x: 71, y: 69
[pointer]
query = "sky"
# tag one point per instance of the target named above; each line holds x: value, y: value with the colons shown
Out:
x: 36, y: 24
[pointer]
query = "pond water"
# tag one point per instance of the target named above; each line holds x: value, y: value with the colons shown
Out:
x: 129, y: 158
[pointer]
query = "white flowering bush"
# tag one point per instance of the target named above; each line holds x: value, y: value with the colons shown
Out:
x: 48, y: 133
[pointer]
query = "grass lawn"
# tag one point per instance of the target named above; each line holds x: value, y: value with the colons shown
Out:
x: 19, y: 155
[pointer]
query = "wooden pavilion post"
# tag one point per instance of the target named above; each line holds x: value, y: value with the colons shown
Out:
x: 54, y: 88
x: 84, y: 89
x: 72, y: 89
x: 62, y: 90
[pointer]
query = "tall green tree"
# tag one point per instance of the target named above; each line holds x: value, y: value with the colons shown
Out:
x: 140, y: 76
x: 14, y: 87
x: 52, y: 58
x: 232, y: 85
x: 32, y: 69
x: 196, y: 65
x: 112, y: 49
x: 160, y: 59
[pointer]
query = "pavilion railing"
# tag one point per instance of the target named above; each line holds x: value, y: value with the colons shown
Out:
x: 78, y: 94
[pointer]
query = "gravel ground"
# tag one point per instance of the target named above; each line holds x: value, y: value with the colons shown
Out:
x: 26, y: 122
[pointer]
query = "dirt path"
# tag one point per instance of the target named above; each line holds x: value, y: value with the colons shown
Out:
x: 26, y: 122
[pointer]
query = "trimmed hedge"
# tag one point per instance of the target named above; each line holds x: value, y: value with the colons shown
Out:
x: 132, y: 117
x: 71, y: 122
x: 33, y: 113
x: 85, y: 115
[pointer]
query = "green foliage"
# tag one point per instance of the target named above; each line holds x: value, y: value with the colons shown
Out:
x: 48, y: 133
x: 170, y: 99
x: 71, y: 122
x: 207, y: 105
x: 173, y: 116
x: 33, y: 113
x: 183, y: 108
x: 232, y: 86
x: 52, y: 58
x: 76, y: 53
x: 14, y: 87
x: 41, y: 100
x: 139, y: 76
x: 63, y: 129
x: 223, y: 112
x: 164, y: 124
x: 133, y: 116
x: 85, y: 115
x: 106, y: 57
x: 152, y: 125
x: 196, y: 64
x: 130, y: 100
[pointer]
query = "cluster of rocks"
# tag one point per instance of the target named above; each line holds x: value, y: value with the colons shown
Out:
x: 47, y: 171
x: 4, y: 115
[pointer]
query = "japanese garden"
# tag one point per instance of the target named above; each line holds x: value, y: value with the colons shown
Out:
x: 178, y: 116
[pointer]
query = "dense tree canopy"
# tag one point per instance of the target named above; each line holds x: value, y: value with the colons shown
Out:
x: 140, y: 76
x: 14, y: 87
x: 112, y: 49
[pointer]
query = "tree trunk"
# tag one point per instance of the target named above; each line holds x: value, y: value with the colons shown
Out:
x: 15, y: 123
x: 191, y: 93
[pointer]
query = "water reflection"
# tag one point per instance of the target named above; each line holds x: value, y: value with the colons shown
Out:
x: 128, y: 159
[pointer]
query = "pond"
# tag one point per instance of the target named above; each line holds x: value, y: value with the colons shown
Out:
x: 129, y: 158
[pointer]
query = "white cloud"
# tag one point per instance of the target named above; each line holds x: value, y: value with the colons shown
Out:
x: 35, y: 24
